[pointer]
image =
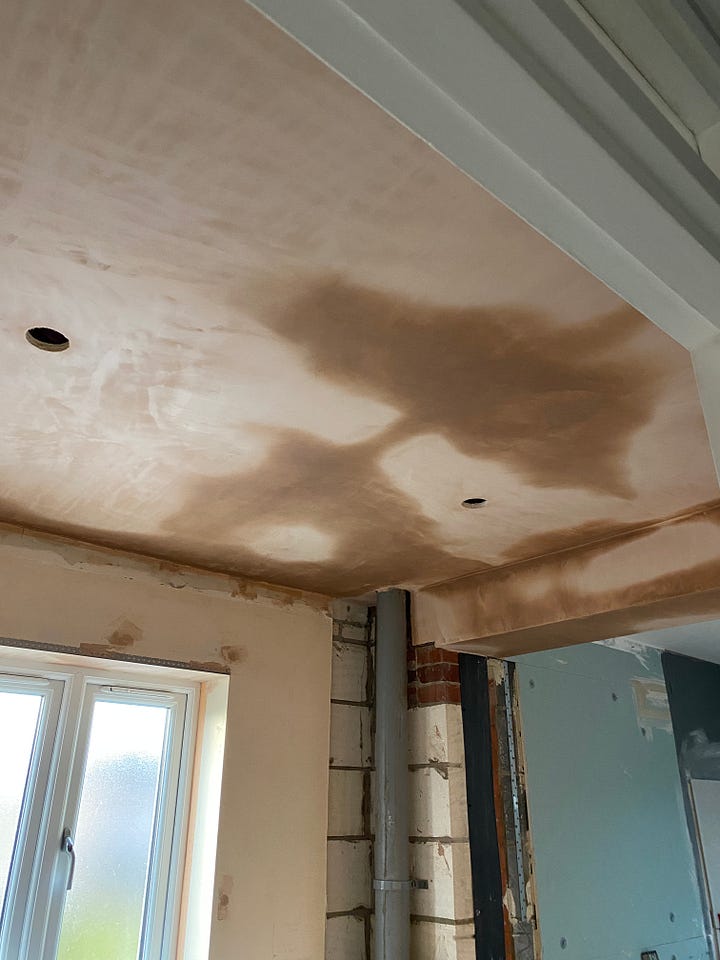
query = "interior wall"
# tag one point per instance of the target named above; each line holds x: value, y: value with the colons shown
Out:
x: 614, y: 867
x: 270, y: 871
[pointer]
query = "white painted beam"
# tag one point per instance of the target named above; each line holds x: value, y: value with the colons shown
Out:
x: 706, y: 361
x: 522, y: 96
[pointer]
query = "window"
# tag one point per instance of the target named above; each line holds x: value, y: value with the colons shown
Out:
x: 94, y: 799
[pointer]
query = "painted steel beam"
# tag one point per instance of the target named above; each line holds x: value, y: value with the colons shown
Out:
x: 706, y: 362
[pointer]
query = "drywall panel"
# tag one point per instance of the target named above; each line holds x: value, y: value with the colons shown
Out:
x: 706, y: 803
x: 269, y: 901
x: 613, y: 861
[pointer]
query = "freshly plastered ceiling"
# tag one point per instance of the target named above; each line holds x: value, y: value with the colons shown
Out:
x: 299, y: 337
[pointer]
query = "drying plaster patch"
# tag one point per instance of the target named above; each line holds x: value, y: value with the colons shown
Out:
x: 661, y: 552
x: 291, y: 542
x: 438, y: 476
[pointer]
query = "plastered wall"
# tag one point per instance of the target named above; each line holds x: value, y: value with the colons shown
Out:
x: 269, y: 900
x: 613, y: 862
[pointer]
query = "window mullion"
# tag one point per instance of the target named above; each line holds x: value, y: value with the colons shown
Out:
x: 31, y: 822
x: 161, y: 929
x: 54, y: 862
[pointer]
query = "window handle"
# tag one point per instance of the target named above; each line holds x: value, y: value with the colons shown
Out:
x: 68, y: 845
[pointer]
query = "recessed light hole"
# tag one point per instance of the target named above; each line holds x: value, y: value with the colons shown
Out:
x: 472, y: 503
x: 45, y: 338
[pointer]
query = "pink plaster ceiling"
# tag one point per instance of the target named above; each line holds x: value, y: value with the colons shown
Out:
x: 299, y: 337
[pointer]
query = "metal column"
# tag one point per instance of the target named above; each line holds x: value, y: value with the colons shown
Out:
x: 392, y: 858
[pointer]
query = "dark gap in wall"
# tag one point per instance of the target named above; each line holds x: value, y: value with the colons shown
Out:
x: 498, y: 739
x: 693, y: 688
x: 487, y: 887
x: 514, y: 835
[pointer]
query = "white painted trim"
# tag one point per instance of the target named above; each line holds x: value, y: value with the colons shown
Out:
x: 522, y: 96
x: 199, y: 882
x: 635, y: 8
x: 706, y: 361
x: 33, y: 813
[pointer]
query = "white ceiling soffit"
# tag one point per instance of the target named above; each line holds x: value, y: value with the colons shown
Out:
x: 700, y: 640
x: 526, y: 98
x: 675, y: 45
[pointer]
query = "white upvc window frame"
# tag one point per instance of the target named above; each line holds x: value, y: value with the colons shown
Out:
x: 35, y: 898
x: 32, y: 823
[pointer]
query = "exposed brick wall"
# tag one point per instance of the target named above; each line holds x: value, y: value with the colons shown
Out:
x: 441, y: 918
x: 433, y: 676
x: 350, y: 836
x: 441, y: 915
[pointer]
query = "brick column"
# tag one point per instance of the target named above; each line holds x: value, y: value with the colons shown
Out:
x: 441, y: 916
x: 433, y: 676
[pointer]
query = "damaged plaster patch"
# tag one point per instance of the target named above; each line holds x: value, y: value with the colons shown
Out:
x: 125, y: 634
x: 225, y: 888
x: 210, y: 666
x: 651, y: 705
x: 496, y: 671
x: 233, y: 653
x: 509, y: 904
x: 95, y: 650
x: 443, y: 856
x: 290, y: 543
x: 627, y: 645
x: 54, y: 550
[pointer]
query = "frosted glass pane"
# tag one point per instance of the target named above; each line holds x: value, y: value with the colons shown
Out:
x: 19, y: 714
x: 104, y: 910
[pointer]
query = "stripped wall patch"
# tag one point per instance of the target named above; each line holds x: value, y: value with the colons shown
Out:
x: 651, y: 705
